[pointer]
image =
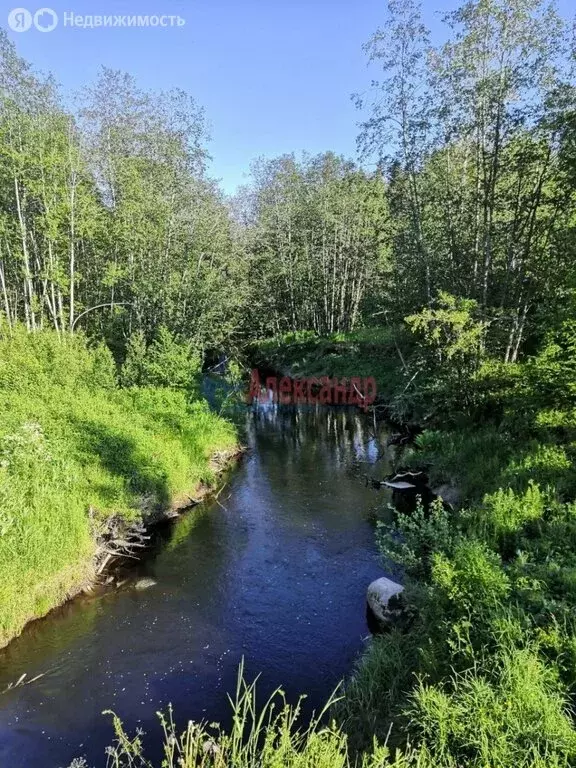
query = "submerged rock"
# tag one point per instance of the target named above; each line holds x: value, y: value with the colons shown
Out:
x: 383, y: 600
x: 144, y: 583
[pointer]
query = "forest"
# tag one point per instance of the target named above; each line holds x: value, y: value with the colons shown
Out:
x: 441, y: 261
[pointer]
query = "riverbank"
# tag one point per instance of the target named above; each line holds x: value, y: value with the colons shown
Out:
x: 274, y: 569
x: 75, y: 451
x: 482, y: 670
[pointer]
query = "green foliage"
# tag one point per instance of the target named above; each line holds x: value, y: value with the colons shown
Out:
x: 317, y: 242
x: 551, y: 372
x: 489, y: 654
x: 104, y: 367
x: 108, y: 222
x: 45, y: 539
x: 365, y: 352
x: 165, y: 362
x: 412, y: 538
x: 37, y: 361
x: 376, y: 691
x: 450, y: 331
x: 74, y: 450
x: 511, y: 712
x: 504, y: 515
x: 471, y: 579
x: 134, y: 368
x: 448, y: 350
x: 470, y: 458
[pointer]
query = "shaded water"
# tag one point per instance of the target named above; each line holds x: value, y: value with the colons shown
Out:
x: 275, y: 571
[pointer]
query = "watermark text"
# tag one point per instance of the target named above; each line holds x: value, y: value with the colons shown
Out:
x: 46, y: 20
x: 312, y: 391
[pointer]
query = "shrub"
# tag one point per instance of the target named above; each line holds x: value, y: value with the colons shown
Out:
x: 166, y: 362
x: 413, y: 537
x: 506, y: 714
x: 472, y: 579
x: 503, y: 515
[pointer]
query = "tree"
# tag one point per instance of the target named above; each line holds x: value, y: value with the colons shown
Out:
x: 473, y: 134
x: 317, y: 236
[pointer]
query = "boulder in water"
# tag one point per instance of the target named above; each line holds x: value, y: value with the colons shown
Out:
x: 383, y: 600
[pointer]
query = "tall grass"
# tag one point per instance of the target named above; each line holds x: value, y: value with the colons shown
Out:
x: 74, y: 450
x: 261, y: 736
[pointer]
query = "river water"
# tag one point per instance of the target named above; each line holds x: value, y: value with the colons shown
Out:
x: 275, y: 571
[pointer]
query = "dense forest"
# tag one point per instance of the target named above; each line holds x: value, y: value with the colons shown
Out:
x: 110, y: 223
x: 442, y: 261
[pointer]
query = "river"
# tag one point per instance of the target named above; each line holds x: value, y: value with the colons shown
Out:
x: 274, y: 571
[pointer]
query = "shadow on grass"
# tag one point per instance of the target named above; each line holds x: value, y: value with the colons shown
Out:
x: 121, y: 457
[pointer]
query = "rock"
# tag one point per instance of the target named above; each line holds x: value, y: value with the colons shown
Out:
x: 382, y: 600
x: 144, y: 583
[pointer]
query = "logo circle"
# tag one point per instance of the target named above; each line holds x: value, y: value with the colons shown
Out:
x: 20, y: 20
x: 45, y: 20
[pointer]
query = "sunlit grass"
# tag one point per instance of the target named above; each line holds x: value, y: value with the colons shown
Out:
x: 74, y: 450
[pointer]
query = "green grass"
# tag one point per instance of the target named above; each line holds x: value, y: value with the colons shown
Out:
x: 74, y: 450
x: 484, y: 674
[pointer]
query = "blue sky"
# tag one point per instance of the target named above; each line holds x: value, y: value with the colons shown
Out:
x: 273, y: 75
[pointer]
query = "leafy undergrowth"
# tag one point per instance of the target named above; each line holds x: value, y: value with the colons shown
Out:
x: 485, y: 672
x: 519, y: 429
x: 75, y: 449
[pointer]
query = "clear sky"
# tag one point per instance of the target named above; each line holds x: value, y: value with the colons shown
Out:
x: 274, y: 76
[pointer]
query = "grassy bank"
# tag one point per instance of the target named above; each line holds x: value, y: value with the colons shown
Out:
x: 76, y: 449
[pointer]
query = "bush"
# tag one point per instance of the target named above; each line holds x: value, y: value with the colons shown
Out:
x: 166, y: 362
x: 412, y: 538
x: 472, y: 580
x: 509, y: 713
x: 504, y: 514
